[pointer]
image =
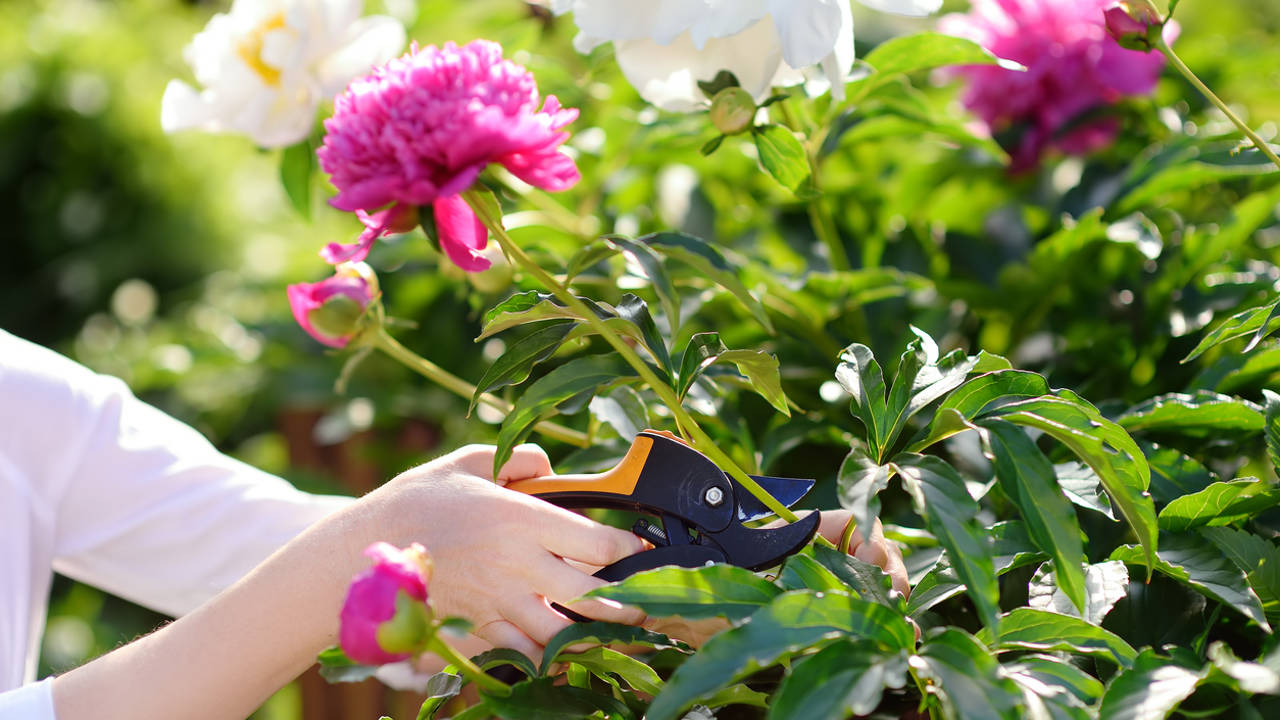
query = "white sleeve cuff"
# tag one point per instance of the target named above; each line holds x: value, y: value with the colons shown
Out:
x: 29, y: 702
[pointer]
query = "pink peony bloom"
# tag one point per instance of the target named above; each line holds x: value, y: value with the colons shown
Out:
x: 383, y: 618
x: 418, y: 130
x: 331, y: 310
x: 1074, y: 69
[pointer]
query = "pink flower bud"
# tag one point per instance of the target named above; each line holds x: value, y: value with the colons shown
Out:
x: 1133, y: 24
x: 333, y: 310
x: 385, y: 617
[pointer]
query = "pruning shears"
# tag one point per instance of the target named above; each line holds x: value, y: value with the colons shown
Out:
x: 700, y: 508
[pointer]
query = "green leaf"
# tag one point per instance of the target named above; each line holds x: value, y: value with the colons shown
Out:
x: 1251, y: 677
x: 925, y: 51
x: 1260, y: 321
x: 1222, y: 503
x: 605, y: 661
x: 587, y: 256
x: 297, y: 165
x: 1028, y: 479
x: 977, y: 396
x: 794, y: 621
x: 713, y: 591
x: 711, y: 264
x: 1272, y: 430
x: 336, y: 667
x: 1058, y: 672
x: 1105, y: 584
x: 528, y: 307
x: 1195, y: 562
x: 1030, y: 629
x: 860, y: 375
x: 701, y: 352
x: 1101, y: 444
x: 495, y: 657
x: 623, y: 410
x: 802, y: 572
x: 939, y: 495
x: 870, y: 581
x: 1174, y: 474
x: 514, y: 365
x: 966, y: 677
x: 761, y: 370
x: 913, y: 360
x: 712, y: 145
x: 543, y: 699
x: 636, y: 311
x: 1257, y: 557
x: 650, y: 263
x: 859, y: 484
x: 848, y: 677
x: 579, y: 375
x: 738, y: 694
x: 602, y: 633
x: 1082, y: 486
x: 1148, y: 690
x: 781, y: 155
x: 1196, y: 415
x: 723, y: 79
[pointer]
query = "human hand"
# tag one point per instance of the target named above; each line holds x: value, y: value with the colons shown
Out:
x: 876, y: 549
x: 500, y: 557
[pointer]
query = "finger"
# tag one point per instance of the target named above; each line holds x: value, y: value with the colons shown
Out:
x: 502, y: 634
x: 873, y: 550
x: 564, y: 584
x: 575, y: 537
x: 535, y: 618
x: 897, y: 570
x: 527, y: 461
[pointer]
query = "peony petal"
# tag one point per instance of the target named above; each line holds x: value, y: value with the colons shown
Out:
x: 914, y: 8
x: 370, y: 41
x: 462, y: 236
x: 335, y: 253
x: 807, y: 28
x: 182, y: 108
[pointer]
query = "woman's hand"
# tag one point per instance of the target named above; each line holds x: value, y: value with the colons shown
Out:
x: 876, y: 550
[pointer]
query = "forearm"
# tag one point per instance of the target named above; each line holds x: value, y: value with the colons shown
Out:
x: 227, y: 657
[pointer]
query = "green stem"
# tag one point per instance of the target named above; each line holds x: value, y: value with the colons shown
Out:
x: 384, y: 342
x: 823, y: 224
x: 557, y: 214
x: 484, y: 680
x: 699, y: 438
x: 1258, y: 142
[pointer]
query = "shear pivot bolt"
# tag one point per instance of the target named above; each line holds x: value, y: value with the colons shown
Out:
x: 714, y: 496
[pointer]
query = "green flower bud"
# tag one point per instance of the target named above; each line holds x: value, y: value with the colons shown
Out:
x: 733, y: 110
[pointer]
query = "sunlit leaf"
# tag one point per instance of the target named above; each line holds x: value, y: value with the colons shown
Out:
x: 845, y: 678
x: 859, y: 484
x: 860, y: 375
x: 297, y: 165
x: 966, y: 677
x: 651, y: 264
x: 1222, y: 503
x: 711, y: 264
x: 601, y: 633
x: 1105, y: 583
x: 781, y: 155
x: 714, y: 591
x: 1031, y: 629
x: 1193, y: 414
x: 1148, y: 690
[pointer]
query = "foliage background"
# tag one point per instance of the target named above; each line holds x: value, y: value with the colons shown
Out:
x: 163, y: 260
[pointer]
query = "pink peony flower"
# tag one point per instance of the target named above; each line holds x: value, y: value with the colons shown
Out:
x: 418, y: 130
x: 1074, y: 69
x: 384, y: 617
x: 331, y: 310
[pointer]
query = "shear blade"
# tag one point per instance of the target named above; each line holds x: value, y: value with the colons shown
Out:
x: 787, y: 491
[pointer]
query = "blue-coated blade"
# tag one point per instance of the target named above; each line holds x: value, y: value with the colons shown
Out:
x: 788, y: 491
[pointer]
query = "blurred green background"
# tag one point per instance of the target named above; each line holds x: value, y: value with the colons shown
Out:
x: 163, y: 259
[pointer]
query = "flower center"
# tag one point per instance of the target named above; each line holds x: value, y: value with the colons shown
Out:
x: 250, y: 49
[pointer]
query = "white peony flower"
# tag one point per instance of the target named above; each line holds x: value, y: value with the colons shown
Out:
x: 267, y: 64
x: 665, y: 47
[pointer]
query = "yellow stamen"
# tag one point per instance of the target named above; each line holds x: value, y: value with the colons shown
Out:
x: 250, y: 49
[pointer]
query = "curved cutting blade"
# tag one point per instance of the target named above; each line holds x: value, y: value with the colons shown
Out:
x: 757, y: 549
x: 788, y: 491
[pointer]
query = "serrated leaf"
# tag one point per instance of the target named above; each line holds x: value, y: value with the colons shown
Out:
x: 1193, y: 414
x: 966, y: 677
x: 713, y: 591
x: 711, y: 264
x: 1028, y: 479
x: 845, y: 678
x: 1105, y: 583
x: 650, y: 263
x: 781, y: 155
x: 602, y: 633
x: 514, y: 365
x: 860, y: 376
x: 1031, y: 629
x: 297, y: 165
x: 761, y: 371
x: 977, y: 396
x: 577, y: 376
x: 938, y: 494
x: 1259, y: 321
x: 1197, y: 563
x: 1221, y: 503
x: 794, y: 621
x: 544, y: 699
x: 859, y: 484
x: 1101, y: 444
x: 1148, y: 690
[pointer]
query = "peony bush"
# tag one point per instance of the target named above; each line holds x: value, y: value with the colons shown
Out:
x: 998, y: 286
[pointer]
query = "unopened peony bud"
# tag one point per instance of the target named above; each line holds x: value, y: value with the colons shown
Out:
x: 333, y: 311
x: 1134, y: 24
x: 733, y: 110
x: 385, y: 617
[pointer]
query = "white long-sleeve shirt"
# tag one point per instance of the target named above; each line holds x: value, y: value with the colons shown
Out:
x: 106, y: 489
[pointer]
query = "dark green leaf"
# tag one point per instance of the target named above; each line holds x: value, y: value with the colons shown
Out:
x: 1030, y: 629
x: 712, y: 145
x: 1083, y: 487
x: 939, y: 495
x: 860, y: 375
x: 651, y: 264
x: 1222, y: 503
x: 1193, y: 561
x: 633, y: 309
x: 1272, y: 431
x: 566, y: 381
x: 1105, y: 584
x: 514, y: 365
x: 1174, y: 474
x: 603, y: 633
x: 1198, y: 414
x: 506, y: 656
x: 793, y: 621
x: 1250, y: 677
x: 913, y: 360
x: 297, y: 165
x: 1028, y: 479
x: 1260, y: 321
x: 711, y: 264
x: 1058, y: 672
x: 869, y: 581
x: 977, y: 396
x: 543, y: 699
x: 845, y: 678
x: 859, y: 484
x: 530, y: 307
x: 966, y: 677
x: 1257, y: 557
x: 623, y: 410
x: 737, y: 694
x: 713, y: 591
x: 803, y: 572
x: 1148, y: 690
x: 605, y: 661
x: 723, y: 79
x: 702, y: 350
x: 782, y: 155
x: 1101, y: 444
x: 336, y: 667
x: 588, y: 255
